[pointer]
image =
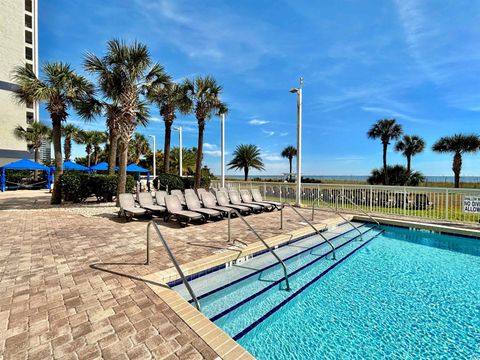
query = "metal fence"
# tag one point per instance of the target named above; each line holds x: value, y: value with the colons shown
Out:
x: 459, y: 205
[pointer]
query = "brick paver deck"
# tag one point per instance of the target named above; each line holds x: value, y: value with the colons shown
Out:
x: 53, y: 304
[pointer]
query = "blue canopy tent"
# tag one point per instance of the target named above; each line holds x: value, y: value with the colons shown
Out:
x: 24, y: 164
x: 70, y: 165
x: 103, y: 166
x: 138, y: 169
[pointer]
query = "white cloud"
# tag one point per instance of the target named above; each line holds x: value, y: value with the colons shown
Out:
x: 258, y: 122
x: 271, y: 157
x: 283, y: 134
x: 268, y: 133
x: 392, y: 113
x: 155, y: 119
x: 209, y: 146
x: 216, y: 153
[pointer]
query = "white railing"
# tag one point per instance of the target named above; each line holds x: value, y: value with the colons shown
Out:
x: 424, y: 202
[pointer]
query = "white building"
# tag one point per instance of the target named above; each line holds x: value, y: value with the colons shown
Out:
x: 18, y: 45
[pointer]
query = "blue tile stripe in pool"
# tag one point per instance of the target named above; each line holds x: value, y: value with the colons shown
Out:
x: 220, y: 267
x: 304, y: 287
x: 253, y: 296
x: 276, y: 264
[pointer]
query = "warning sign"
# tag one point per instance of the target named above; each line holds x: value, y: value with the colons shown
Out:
x: 471, y: 204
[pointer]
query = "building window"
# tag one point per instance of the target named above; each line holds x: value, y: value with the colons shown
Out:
x: 28, y: 21
x: 28, y: 5
x: 29, y: 66
x: 28, y: 53
x: 29, y: 105
x: 28, y: 37
x: 29, y: 118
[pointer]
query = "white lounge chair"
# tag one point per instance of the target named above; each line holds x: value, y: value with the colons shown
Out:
x: 193, y: 204
x: 248, y: 199
x: 257, y: 196
x: 235, y: 199
x: 175, y: 210
x: 128, y: 207
x: 146, y: 201
x: 222, y: 200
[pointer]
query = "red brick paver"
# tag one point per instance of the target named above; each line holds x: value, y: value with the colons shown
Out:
x: 53, y: 304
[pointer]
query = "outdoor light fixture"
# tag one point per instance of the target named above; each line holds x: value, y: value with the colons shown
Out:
x: 298, y: 91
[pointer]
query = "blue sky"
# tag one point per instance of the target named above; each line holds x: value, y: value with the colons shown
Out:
x: 417, y: 61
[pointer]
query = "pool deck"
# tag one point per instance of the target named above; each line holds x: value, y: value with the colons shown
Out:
x: 53, y: 304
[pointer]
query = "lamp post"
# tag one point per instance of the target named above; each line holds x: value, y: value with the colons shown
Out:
x: 222, y: 141
x: 180, y: 160
x: 154, y: 157
x: 298, y: 91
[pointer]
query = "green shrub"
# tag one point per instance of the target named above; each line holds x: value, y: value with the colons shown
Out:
x: 170, y: 181
x: 77, y: 186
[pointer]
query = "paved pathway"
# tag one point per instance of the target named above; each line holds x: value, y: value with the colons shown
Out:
x: 53, y: 304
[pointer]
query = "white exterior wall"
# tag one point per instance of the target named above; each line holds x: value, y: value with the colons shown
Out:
x: 12, y: 53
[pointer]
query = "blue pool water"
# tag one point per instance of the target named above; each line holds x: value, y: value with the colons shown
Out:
x: 403, y: 294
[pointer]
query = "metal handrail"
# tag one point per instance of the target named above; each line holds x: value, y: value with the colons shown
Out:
x: 359, y: 208
x: 285, y: 272
x: 335, y: 210
x: 309, y: 223
x: 174, y: 260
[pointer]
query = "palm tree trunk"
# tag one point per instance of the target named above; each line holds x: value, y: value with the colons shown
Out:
x: 198, y: 162
x: 290, y: 174
x: 88, y: 159
x: 122, y: 168
x: 112, y: 154
x: 457, y: 168
x: 67, y: 147
x: 35, y: 156
x: 385, y: 173
x: 245, y: 169
x: 166, y: 150
x: 57, y: 150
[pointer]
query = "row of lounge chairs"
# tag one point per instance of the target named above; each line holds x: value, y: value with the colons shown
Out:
x: 198, y: 206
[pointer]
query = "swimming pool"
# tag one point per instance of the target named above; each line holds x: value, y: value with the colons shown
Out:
x: 396, y: 293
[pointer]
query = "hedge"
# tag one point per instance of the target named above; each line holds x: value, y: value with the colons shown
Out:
x: 78, y: 186
x: 176, y: 182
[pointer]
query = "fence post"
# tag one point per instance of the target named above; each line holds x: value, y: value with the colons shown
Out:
x: 405, y: 198
x: 371, y: 198
x: 446, y: 204
x: 343, y: 197
x: 265, y: 190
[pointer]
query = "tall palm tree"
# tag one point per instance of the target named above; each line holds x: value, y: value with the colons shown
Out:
x: 457, y: 144
x: 289, y: 152
x: 98, y: 138
x: 204, y: 96
x: 246, y: 157
x: 85, y: 137
x: 124, y: 75
x: 60, y: 88
x: 385, y: 130
x: 189, y: 157
x: 34, y: 135
x: 69, y: 132
x: 169, y: 98
x: 410, y: 146
x: 139, y: 146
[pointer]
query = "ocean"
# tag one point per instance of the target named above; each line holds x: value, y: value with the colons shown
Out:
x: 441, y: 179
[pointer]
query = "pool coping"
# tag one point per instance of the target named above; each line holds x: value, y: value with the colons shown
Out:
x: 222, y: 343
x: 443, y: 229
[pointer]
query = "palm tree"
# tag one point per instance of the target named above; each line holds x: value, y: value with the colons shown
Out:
x: 139, y: 146
x: 169, y: 98
x: 204, y: 97
x: 385, y: 130
x: 86, y: 138
x: 289, y: 152
x: 124, y: 74
x: 410, y: 146
x: 189, y: 157
x: 246, y: 157
x: 60, y: 88
x: 457, y: 144
x: 98, y: 138
x: 69, y: 131
x: 34, y: 135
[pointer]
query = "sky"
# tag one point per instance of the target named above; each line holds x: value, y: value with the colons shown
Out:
x: 416, y: 61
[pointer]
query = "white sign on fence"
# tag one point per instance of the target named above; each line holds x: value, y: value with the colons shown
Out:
x: 471, y: 204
